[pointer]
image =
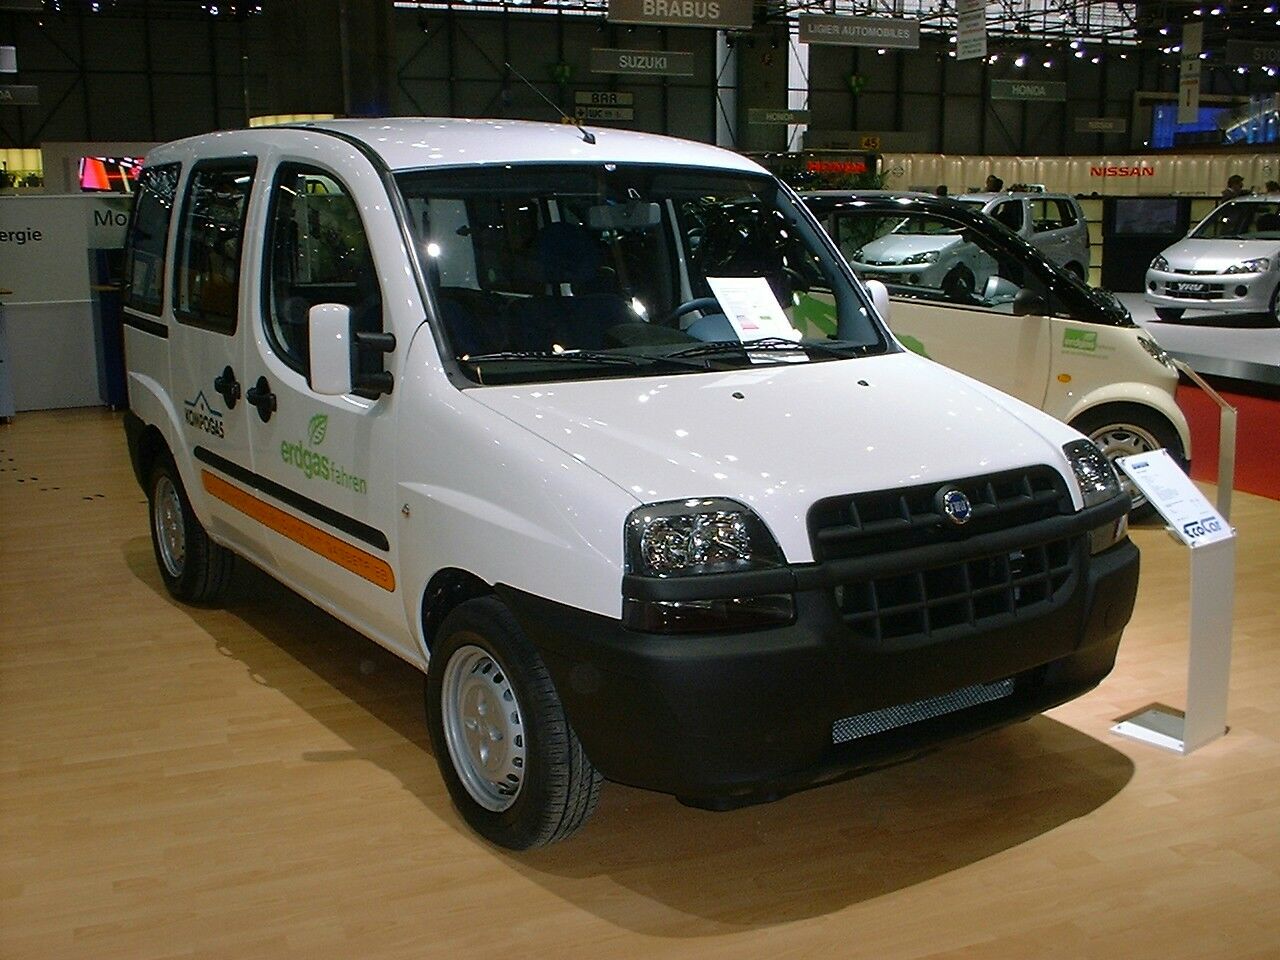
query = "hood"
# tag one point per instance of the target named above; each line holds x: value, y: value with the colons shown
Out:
x: 777, y: 437
x: 1217, y: 255
x: 894, y: 247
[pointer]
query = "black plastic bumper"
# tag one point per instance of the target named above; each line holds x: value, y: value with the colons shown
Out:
x: 723, y: 719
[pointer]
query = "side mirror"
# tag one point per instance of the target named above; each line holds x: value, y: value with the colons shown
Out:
x: 880, y: 298
x: 999, y: 290
x: 329, y: 341
x: 1029, y: 303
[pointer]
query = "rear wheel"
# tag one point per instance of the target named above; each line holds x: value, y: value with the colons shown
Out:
x: 1075, y: 268
x: 959, y: 285
x: 513, y: 766
x: 1169, y: 314
x: 192, y: 566
x: 1122, y: 429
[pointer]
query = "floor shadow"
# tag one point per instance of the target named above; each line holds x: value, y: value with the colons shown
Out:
x: 1242, y: 321
x: 672, y: 871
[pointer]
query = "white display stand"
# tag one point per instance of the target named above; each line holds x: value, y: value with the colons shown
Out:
x: 1193, y: 521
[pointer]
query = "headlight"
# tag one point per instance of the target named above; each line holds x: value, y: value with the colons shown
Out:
x: 1160, y: 263
x: 1250, y: 266
x: 929, y: 256
x: 1157, y: 352
x: 1098, y: 483
x: 1095, y: 475
x: 684, y: 539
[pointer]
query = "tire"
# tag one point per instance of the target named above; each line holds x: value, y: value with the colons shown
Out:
x: 1275, y: 305
x: 512, y: 764
x: 1076, y: 269
x: 959, y: 285
x: 1170, y: 314
x: 193, y: 567
x: 1120, y: 429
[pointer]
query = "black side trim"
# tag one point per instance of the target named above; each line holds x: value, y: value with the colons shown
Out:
x: 318, y: 511
x: 145, y: 325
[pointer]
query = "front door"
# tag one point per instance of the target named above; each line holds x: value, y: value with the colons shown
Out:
x: 325, y: 464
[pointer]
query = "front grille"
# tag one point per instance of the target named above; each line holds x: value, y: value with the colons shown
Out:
x: 1214, y: 292
x: 865, y: 524
x: 891, y: 718
x: 1196, y: 273
x: 967, y: 593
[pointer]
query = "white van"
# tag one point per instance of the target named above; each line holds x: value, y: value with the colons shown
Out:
x: 480, y: 389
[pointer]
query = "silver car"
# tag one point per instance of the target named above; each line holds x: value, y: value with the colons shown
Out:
x: 1229, y: 263
x: 1053, y: 223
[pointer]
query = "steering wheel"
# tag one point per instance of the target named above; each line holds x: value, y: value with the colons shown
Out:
x: 698, y: 303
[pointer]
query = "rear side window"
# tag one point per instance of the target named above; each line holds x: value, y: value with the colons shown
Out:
x: 317, y: 252
x: 207, y: 278
x: 148, y: 234
x: 1009, y: 213
x: 1051, y: 215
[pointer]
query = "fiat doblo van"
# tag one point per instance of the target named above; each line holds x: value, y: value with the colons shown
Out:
x: 528, y: 406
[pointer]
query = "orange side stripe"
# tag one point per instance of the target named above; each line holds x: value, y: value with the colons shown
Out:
x: 362, y: 564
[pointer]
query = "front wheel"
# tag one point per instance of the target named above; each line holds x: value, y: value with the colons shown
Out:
x: 193, y: 567
x: 1123, y: 429
x: 1169, y: 314
x: 513, y: 766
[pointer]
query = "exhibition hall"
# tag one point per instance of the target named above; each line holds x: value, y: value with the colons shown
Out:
x: 639, y: 478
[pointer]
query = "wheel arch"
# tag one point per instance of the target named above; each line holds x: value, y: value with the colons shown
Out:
x: 446, y: 589
x: 1136, y: 396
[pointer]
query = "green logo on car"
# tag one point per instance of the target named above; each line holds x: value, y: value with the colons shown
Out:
x: 1086, y: 340
x: 316, y: 429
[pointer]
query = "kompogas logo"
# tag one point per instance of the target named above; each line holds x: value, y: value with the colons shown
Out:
x: 203, y: 417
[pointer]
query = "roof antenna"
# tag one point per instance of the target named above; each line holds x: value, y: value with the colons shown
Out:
x: 587, y: 135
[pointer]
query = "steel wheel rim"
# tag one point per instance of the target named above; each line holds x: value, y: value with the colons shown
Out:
x: 1122, y: 440
x: 170, y: 527
x: 483, y: 728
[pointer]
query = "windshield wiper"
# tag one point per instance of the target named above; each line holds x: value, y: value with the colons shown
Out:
x: 766, y: 344
x: 539, y: 356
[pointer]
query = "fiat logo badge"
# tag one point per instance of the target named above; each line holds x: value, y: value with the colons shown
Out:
x: 955, y: 506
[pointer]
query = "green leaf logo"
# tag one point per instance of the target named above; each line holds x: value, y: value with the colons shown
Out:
x: 316, y: 429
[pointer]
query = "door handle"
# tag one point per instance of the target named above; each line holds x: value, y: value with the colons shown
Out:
x: 226, y: 384
x: 260, y: 396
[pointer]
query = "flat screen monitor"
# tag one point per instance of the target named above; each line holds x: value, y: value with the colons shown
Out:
x: 1147, y: 216
x: 109, y: 174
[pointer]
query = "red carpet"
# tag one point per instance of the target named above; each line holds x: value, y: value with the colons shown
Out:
x: 1257, y: 439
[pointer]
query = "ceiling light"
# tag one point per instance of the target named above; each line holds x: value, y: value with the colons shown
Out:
x: 1021, y: 61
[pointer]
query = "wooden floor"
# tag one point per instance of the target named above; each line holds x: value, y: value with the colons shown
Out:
x: 256, y: 782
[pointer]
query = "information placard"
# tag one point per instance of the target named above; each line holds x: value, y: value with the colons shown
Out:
x: 751, y: 307
x: 1192, y: 517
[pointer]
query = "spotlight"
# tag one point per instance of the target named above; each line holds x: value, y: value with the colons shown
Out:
x: 1021, y: 61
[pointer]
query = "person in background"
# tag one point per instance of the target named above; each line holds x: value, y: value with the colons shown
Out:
x: 1235, y: 187
x: 994, y: 183
x: 1273, y: 186
x: 940, y: 190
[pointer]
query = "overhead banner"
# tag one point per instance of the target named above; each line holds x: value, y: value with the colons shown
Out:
x: 859, y: 31
x: 1189, y: 74
x: 1102, y: 125
x: 971, y: 29
x: 1028, y: 90
x: 19, y: 94
x: 1253, y: 53
x: 720, y: 14
x: 782, y: 117
x: 651, y: 63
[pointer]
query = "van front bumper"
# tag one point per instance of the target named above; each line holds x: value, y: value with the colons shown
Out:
x: 724, y: 719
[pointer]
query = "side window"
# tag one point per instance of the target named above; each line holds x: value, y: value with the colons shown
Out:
x: 207, y: 279
x: 317, y: 252
x: 1009, y: 212
x: 1050, y: 215
x: 148, y: 237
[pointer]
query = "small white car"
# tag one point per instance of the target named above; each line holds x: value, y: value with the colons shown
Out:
x: 528, y: 406
x: 1031, y: 329
x: 1230, y: 263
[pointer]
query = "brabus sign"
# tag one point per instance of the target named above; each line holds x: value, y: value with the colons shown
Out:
x: 722, y: 14
x: 1137, y: 171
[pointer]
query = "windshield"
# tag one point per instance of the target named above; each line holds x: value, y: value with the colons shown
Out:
x: 1241, y: 220
x: 579, y: 271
